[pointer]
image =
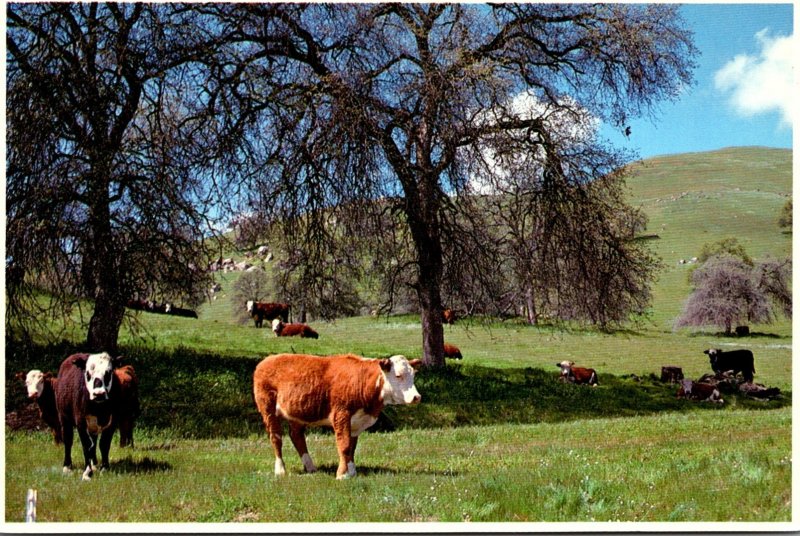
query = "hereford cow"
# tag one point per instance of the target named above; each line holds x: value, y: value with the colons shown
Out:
x: 84, y: 399
x: 572, y: 374
x: 451, y: 351
x: 179, y: 311
x: 41, y: 388
x: 345, y: 392
x: 260, y: 311
x: 699, y: 391
x: 735, y: 360
x: 292, y: 330
x: 126, y: 404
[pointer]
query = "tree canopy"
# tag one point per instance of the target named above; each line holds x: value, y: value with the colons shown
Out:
x: 368, y: 129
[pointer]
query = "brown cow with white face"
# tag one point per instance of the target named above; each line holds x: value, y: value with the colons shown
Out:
x: 345, y: 392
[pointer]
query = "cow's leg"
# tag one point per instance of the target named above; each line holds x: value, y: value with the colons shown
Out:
x: 298, y: 435
x: 275, y: 429
x: 87, y: 444
x: 341, y: 427
x: 105, y: 445
x: 67, y: 436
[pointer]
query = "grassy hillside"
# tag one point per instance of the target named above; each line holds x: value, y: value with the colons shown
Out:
x: 698, y: 198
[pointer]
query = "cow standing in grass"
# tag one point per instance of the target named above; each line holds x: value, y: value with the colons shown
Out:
x: 84, y: 401
x: 345, y: 392
x: 41, y: 387
x: 269, y: 311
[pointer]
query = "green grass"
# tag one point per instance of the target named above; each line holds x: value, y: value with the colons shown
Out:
x: 497, y: 437
x: 669, y: 467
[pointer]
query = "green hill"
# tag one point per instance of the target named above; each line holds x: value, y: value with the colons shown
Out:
x: 697, y: 198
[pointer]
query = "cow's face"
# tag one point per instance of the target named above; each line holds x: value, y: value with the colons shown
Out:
x: 250, y: 306
x: 34, y: 382
x: 565, y: 367
x: 276, y: 324
x: 398, y: 387
x: 98, y: 375
x: 712, y: 354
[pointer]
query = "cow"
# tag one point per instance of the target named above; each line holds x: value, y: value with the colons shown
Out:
x: 260, y: 311
x: 346, y: 392
x: 572, y: 374
x: 448, y: 316
x: 699, y: 391
x: 735, y: 360
x: 41, y: 388
x: 84, y: 400
x: 179, y: 311
x: 291, y: 330
x: 126, y: 405
x: 451, y: 351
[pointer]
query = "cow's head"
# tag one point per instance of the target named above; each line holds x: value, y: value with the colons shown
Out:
x: 98, y: 374
x: 250, y: 306
x: 398, y: 387
x: 277, y: 325
x: 34, y: 382
x: 712, y: 354
x: 565, y: 367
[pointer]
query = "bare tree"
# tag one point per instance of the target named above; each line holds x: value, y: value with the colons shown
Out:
x: 345, y: 102
x: 728, y: 291
x: 106, y: 197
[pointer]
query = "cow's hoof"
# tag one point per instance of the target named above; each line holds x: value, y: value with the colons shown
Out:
x: 280, y: 468
x: 87, y: 475
x: 309, y: 464
x: 66, y: 469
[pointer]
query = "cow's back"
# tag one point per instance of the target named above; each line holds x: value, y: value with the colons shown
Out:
x: 71, y: 399
x: 307, y: 388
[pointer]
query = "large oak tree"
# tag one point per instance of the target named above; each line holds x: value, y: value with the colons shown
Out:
x: 345, y: 105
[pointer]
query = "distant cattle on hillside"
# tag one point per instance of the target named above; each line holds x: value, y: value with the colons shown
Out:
x: 260, y: 311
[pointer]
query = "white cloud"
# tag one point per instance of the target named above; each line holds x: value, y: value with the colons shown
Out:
x: 762, y: 83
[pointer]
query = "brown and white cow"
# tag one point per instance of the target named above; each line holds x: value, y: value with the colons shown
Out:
x: 41, y: 388
x: 260, y: 311
x: 572, y: 374
x: 345, y: 392
x: 293, y: 330
x: 84, y: 401
x: 451, y: 351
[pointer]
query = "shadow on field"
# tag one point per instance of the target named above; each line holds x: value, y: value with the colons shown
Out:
x: 193, y: 395
x: 366, y: 470
x: 145, y: 465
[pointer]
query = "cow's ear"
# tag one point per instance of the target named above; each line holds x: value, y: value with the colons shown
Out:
x: 79, y: 362
x: 707, y: 352
x: 117, y: 361
x: 48, y: 375
x: 415, y: 363
x: 386, y: 364
x: 20, y: 375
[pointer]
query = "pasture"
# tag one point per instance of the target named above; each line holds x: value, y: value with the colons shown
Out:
x: 497, y: 437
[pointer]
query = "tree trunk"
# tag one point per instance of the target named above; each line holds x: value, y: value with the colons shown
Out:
x: 109, y: 307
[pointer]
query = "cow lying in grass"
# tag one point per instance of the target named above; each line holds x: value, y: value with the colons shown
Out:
x: 572, y: 374
x: 292, y: 330
x: 345, y: 392
x: 703, y: 392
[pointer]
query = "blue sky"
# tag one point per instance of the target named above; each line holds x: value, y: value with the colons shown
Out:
x: 741, y: 91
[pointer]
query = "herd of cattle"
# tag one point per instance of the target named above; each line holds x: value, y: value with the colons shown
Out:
x: 96, y: 394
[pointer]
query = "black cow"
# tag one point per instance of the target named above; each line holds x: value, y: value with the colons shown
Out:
x: 84, y: 395
x: 735, y: 360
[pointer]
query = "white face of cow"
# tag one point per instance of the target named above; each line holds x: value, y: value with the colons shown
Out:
x: 34, y: 381
x: 98, y: 375
x: 398, y: 387
x: 276, y: 322
x: 250, y: 306
x: 565, y: 367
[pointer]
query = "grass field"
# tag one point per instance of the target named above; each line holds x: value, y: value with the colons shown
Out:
x: 497, y: 437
